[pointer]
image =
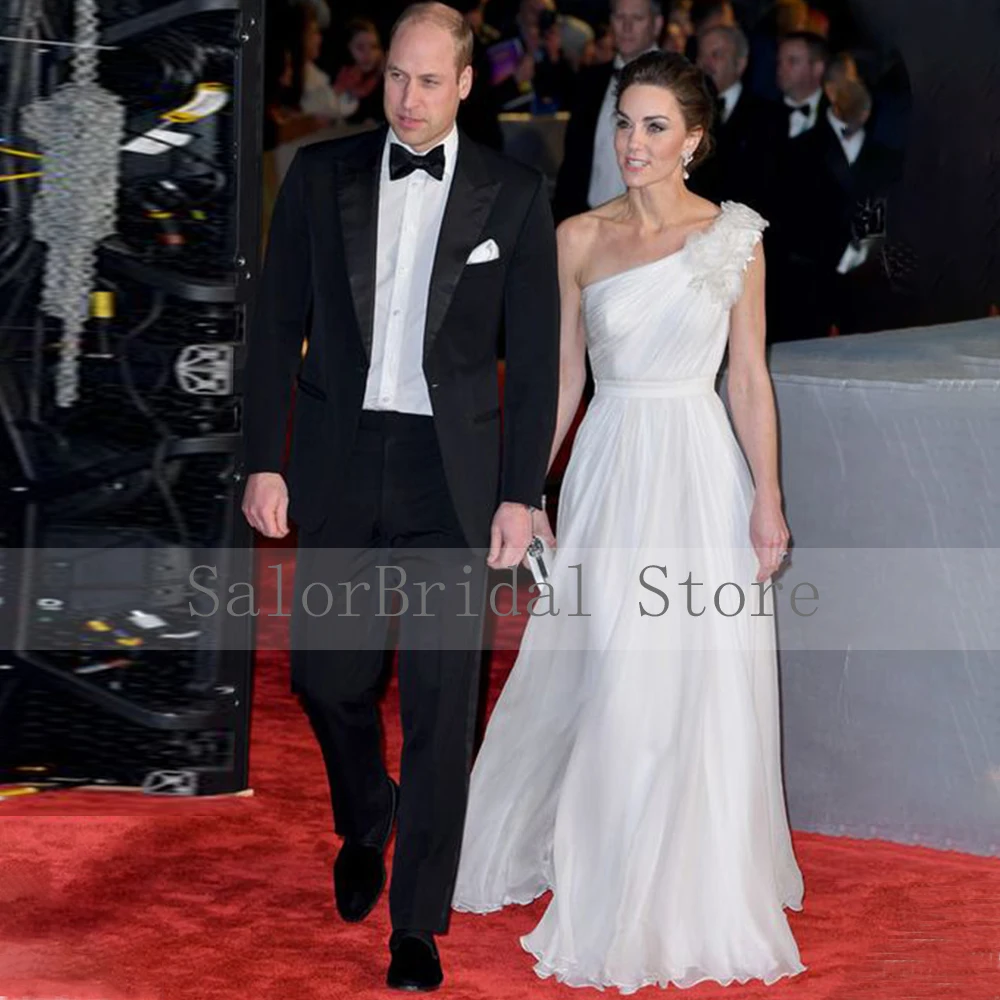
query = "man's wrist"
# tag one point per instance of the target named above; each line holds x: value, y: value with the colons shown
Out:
x: 530, y: 507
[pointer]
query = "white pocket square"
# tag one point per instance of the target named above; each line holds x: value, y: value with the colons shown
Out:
x: 486, y: 251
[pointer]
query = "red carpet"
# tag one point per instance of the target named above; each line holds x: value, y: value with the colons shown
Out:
x: 121, y: 897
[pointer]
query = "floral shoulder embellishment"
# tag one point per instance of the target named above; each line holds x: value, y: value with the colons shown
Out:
x: 720, y: 254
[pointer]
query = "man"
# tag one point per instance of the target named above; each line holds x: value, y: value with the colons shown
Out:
x: 802, y: 62
x: 589, y: 174
x: 748, y: 130
x: 836, y: 182
x: 782, y: 17
x: 396, y: 252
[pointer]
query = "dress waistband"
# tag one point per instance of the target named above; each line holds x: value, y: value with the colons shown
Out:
x: 639, y: 389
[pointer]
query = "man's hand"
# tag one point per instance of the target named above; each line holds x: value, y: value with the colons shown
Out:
x: 265, y: 503
x: 510, y: 535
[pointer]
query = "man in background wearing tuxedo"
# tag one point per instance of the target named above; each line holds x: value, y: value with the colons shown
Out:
x: 835, y: 181
x: 589, y: 173
x: 748, y: 132
x: 803, y: 58
x: 399, y: 253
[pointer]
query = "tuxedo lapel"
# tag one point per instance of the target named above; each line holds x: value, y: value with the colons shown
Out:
x: 735, y: 123
x: 469, y: 201
x: 358, y: 199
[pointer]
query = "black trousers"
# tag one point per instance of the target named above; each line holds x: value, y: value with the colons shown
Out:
x: 394, y: 542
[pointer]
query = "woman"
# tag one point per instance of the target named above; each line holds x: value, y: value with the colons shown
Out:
x: 632, y: 763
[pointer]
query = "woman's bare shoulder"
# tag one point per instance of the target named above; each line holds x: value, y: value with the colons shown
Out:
x: 579, y: 234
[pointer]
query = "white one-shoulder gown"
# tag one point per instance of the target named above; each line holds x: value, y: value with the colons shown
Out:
x: 632, y: 763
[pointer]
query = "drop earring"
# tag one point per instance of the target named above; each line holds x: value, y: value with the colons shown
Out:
x: 686, y: 157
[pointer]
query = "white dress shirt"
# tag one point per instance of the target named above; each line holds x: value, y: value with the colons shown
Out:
x: 851, y: 145
x: 410, y: 211
x: 605, y: 177
x: 729, y: 97
x: 799, y: 123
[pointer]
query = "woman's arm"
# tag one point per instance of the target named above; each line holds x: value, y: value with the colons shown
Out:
x: 570, y: 240
x: 751, y: 401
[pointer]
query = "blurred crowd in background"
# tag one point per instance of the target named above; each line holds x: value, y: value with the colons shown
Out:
x: 810, y: 128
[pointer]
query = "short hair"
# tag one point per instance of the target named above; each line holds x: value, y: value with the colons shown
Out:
x: 736, y: 36
x: 444, y: 17
x: 685, y: 81
x: 655, y: 7
x: 841, y: 67
x: 819, y: 50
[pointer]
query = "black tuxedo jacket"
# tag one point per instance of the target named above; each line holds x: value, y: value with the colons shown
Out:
x: 747, y: 149
x: 573, y: 181
x: 319, y: 281
x: 822, y: 194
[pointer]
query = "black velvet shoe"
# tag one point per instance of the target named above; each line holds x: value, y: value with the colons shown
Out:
x: 415, y: 965
x: 359, y: 871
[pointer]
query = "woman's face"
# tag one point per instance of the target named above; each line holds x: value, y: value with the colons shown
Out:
x: 366, y: 51
x: 651, y: 135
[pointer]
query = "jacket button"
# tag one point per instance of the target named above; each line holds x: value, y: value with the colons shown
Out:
x: 434, y: 385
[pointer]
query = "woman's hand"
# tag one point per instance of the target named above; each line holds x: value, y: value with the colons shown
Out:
x: 541, y: 527
x: 768, y: 535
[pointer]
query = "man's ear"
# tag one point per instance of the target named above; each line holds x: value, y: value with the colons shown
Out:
x: 464, y: 83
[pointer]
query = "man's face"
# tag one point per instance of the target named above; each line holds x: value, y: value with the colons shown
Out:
x: 635, y: 27
x: 799, y: 75
x: 717, y: 58
x: 423, y: 87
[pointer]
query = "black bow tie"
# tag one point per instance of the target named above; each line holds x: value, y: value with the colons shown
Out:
x: 402, y: 162
x: 803, y: 109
